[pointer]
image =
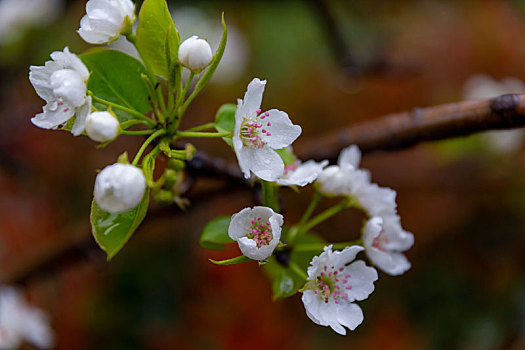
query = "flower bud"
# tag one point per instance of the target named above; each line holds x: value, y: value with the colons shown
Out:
x: 195, y: 54
x: 68, y: 85
x: 119, y: 187
x: 105, y: 20
x: 102, y: 126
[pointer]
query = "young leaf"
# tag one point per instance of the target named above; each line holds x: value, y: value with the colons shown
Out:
x: 225, y: 120
x: 112, y: 231
x: 116, y: 77
x: 233, y: 261
x: 215, y: 233
x: 152, y: 34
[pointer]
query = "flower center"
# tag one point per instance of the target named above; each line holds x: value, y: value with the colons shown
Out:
x: 290, y: 167
x: 332, y: 284
x: 379, y: 242
x: 252, y: 130
x: 261, y: 232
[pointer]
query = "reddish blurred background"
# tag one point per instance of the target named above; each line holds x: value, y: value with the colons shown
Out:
x: 328, y: 64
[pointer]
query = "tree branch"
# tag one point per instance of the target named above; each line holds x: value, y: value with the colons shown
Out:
x: 405, y: 129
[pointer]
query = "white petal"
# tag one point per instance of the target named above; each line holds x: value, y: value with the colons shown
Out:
x: 328, y: 313
x: 283, y: 132
x: 52, y: 118
x: 88, y: 34
x: 350, y: 157
x: 81, y: 115
x: 341, y: 258
x: 304, y: 174
x: 361, y: 279
x: 264, y: 163
x: 377, y: 201
x: 398, y: 239
x: 372, y: 229
x: 68, y: 60
x: 312, y: 304
x: 252, y: 98
x: 36, y: 329
x: 349, y: 315
x: 240, y: 224
x: 39, y: 78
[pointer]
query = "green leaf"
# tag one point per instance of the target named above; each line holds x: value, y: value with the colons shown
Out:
x: 225, y: 120
x: 286, y: 155
x: 233, y: 261
x: 116, y: 77
x: 155, y: 29
x: 112, y: 231
x: 215, y: 233
x: 287, y: 282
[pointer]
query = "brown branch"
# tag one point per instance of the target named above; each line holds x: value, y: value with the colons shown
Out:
x: 408, y: 128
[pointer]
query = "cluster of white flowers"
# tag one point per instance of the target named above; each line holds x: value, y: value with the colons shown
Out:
x: 333, y: 282
x: 21, y: 322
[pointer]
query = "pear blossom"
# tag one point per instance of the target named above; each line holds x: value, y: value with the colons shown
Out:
x: 301, y: 174
x: 105, y: 20
x: 102, y: 126
x: 62, y: 83
x: 21, y: 322
x: 257, y: 134
x: 346, y: 179
x: 119, y: 187
x: 385, y: 240
x: 257, y: 231
x: 333, y: 285
x: 195, y: 54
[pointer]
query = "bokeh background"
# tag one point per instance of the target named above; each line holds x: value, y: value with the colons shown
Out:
x: 328, y: 63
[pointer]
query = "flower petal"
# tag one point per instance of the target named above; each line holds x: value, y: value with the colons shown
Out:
x: 52, y: 118
x: 349, y: 315
x: 240, y: 224
x: 283, y: 132
x: 350, y: 157
x: 252, y: 98
x: 264, y: 163
x: 361, y: 279
x: 81, y: 116
x: 304, y: 174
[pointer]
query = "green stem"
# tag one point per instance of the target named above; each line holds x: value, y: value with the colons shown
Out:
x: 137, y: 132
x: 315, y: 247
x: 125, y: 109
x: 315, y: 200
x: 182, y: 95
x: 201, y: 134
x: 146, y: 143
x: 202, y: 127
x: 270, y: 195
x: 297, y: 269
x: 132, y: 122
x: 326, y: 214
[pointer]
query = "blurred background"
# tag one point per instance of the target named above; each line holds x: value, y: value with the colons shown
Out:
x: 328, y: 63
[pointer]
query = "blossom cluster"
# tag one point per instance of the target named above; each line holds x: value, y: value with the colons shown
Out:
x: 334, y: 281
x: 86, y: 95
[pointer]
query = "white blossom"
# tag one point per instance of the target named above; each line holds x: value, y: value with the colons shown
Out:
x: 119, y: 187
x: 195, y: 54
x: 385, y: 240
x: 301, y: 174
x: 105, y: 20
x: 257, y: 134
x: 333, y: 284
x: 21, y: 322
x: 257, y: 231
x: 346, y: 179
x: 62, y: 83
x: 102, y: 126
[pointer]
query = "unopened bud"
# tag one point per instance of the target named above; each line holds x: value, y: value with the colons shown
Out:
x: 119, y: 187
x: 195, y: 54
x: 102, y: 126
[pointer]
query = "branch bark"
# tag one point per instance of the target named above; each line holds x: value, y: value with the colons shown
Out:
x: 405, y: 129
